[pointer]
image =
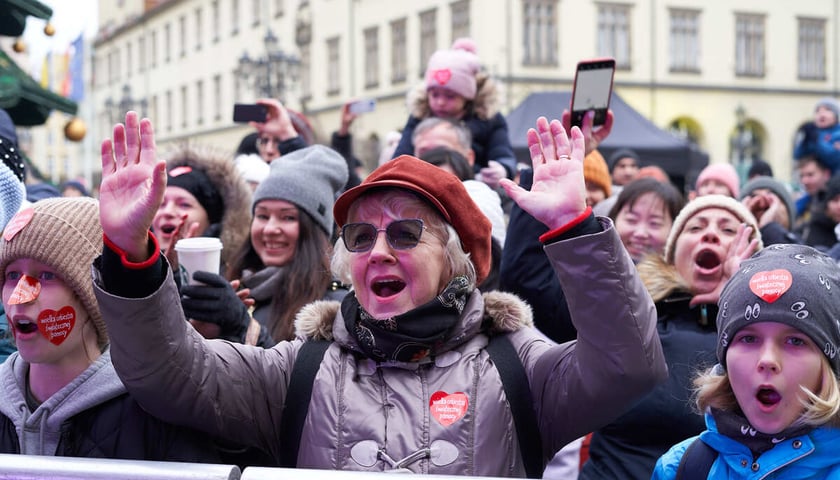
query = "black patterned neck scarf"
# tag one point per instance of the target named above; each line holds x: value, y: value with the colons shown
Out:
x: 412, y: 336
x: 738, y: 428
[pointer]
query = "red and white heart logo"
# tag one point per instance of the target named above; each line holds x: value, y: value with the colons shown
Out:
x: 27, y: 289
x: 16, y: 224
x: 442, y: 76
x: 56, y: 326
x: 770, y: 285
x: 448, y: 408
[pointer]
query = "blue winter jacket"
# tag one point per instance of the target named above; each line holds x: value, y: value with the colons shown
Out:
x: 812, y: 456
x: 823, y: 147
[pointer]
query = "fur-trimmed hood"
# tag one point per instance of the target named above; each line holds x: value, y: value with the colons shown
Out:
x: 504, y: 312
x: 660, y: 278
x: 236, y: 195
x: 484, y: 106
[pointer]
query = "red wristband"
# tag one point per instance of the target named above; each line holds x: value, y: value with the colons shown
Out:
x: 132, y: 265
x: 551, y: 234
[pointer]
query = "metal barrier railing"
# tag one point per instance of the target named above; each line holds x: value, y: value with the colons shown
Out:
x: 71, y: 468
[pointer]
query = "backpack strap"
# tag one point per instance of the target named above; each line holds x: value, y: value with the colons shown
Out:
x: 299, y: 393
x: 696, y: 462
x: 518, y: 393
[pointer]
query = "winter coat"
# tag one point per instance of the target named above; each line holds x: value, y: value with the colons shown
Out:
x: 812, y: 456
x: 235, y: 226
x: 451, y: 408
x: 629, y: 447
x: 822, y: 144
x: 488, y: 127
x: 92, y: 416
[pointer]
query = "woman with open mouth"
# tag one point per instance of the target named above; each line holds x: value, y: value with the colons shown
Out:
x: 771, y: 403
x: 708, y: 239
x: 409, y: 380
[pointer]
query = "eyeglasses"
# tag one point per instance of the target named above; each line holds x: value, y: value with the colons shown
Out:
x: 263, y: 141
x: 401, y: 235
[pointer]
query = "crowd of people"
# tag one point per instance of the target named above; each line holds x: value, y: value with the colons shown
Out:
x: 579, y: 317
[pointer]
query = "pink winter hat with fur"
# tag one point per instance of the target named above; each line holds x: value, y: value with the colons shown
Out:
x: 455, y: 68
x: 723, y: 173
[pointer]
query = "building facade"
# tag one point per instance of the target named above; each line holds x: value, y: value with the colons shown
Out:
x: 737, y: 78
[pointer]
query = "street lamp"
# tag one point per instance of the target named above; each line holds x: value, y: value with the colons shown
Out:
x: 116, y: 110
x: 271, y: 74
x: 740, y: 125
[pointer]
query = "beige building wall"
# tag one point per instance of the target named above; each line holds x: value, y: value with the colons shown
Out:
x: 776, y: 103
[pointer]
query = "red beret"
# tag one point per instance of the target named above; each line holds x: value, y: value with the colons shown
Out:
x: 443, y: 191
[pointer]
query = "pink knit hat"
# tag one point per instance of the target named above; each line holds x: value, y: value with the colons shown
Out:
x: 723, y: 173
x: 454, y: 69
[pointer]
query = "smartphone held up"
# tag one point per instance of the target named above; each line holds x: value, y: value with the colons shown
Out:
x: 249, y: 112
x: 362, y: 106
x: 592, y: 89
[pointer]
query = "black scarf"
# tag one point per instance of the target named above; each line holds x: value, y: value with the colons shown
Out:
x: 738, y: 428
x: 409, y: 337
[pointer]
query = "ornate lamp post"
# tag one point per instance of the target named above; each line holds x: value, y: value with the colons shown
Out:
x: 116, y: 110
x: 741, y: 140
x: 272, y: 74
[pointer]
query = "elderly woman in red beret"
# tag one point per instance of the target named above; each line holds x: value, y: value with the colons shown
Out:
x: 408, y: 381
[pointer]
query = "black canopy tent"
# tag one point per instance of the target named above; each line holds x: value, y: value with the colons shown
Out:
x: 655, y: 146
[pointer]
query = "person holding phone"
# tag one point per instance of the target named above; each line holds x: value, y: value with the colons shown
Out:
x: 456, y: 87
x: 279, y: 132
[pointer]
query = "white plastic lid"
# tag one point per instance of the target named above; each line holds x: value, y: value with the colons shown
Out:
x: 198, y: 244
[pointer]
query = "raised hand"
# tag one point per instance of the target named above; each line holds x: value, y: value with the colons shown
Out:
x: 593, y: 136
x: 133, y: 183
x: 558, y: 194
x: 278, y: 123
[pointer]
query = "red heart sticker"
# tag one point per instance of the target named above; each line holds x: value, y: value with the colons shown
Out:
x: 442, y: 76
x: 448, y: 408
x: 16, y: 224
x: 56, y: 326
x: 27, y: 289
x: 771, y: 285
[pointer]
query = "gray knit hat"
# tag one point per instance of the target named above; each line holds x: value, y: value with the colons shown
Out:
x: 791, y: 284
x: 701, y: 203
x: 774, y: 186
x: 65, y: 234
x: 310, y: 178
x: 831, y: 104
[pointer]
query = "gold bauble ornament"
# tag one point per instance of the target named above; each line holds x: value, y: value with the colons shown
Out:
x: 19, y: 46
x: 75, y: 130
x: 49, y: 29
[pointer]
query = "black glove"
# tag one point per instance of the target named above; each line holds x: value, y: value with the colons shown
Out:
x: 216, y: 302
x: 809, y: 132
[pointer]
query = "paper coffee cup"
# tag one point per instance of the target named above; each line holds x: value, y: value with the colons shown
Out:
x: 198, y: 253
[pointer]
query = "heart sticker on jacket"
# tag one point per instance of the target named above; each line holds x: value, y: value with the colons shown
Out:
x: 56, y: 326
x: 448, y: 408
x: 770, y: 285
x: 27, y: 289
x: 442, y: 76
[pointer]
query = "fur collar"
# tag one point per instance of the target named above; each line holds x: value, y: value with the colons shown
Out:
x: 505, y: 311
x: 660, y: 278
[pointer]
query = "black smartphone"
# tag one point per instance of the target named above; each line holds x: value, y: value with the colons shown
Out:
x: 249, y: 112
x: 592, y: 89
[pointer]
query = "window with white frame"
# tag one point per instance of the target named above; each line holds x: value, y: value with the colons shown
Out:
x: 279, y: 8
x: 614, y: 34
x: 128, y: 59
x: 428, y: 37
x: 217, y: 97
x: 199, y: 30
x: 539, y: 32
x: 749, y: 45
x: 811, y: 49
x: 153, y: 109
x: 460, y: 19
x: 153, y: 49
x: 684, y: 41
x: 215, y: 21
x: 234, y: 17
x: 256, y: 12
x: 182, y: 35
x: 333, y: 67
x: 199, y: 102
x: 169, y: 111
x: 399, y: 51
x: 184, y: 107
x: 371, y: 57
x: 141, y: 54
x: 305, y: 71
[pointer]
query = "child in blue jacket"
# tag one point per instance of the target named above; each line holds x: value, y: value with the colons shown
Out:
x: 821, y: 137
x: 772, y: 402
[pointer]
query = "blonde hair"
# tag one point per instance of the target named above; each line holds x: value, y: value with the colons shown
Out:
x: 400, y: 203
x: 713, y: 390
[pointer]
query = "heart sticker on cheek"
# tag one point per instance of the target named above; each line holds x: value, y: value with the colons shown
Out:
x: 770, y: 285
x: 27, y: 289
x: 56, y: 326
x: 448, y: 408
x: 442, y: 76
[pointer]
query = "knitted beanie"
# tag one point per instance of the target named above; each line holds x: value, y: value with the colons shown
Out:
x: 622, y: 153
x: 832, y: 188
x: 310, y: 178
x: 723, y: 173
x: 443, y: 191
x: 454, y: 69
x: 785, y: 283
x: 195, y: 181
x: 831, y: 104
x: 701, y: 203
x: 12, y: 190
x: 774, y: 186
x: 595, y: 171
x: 65, y: 234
